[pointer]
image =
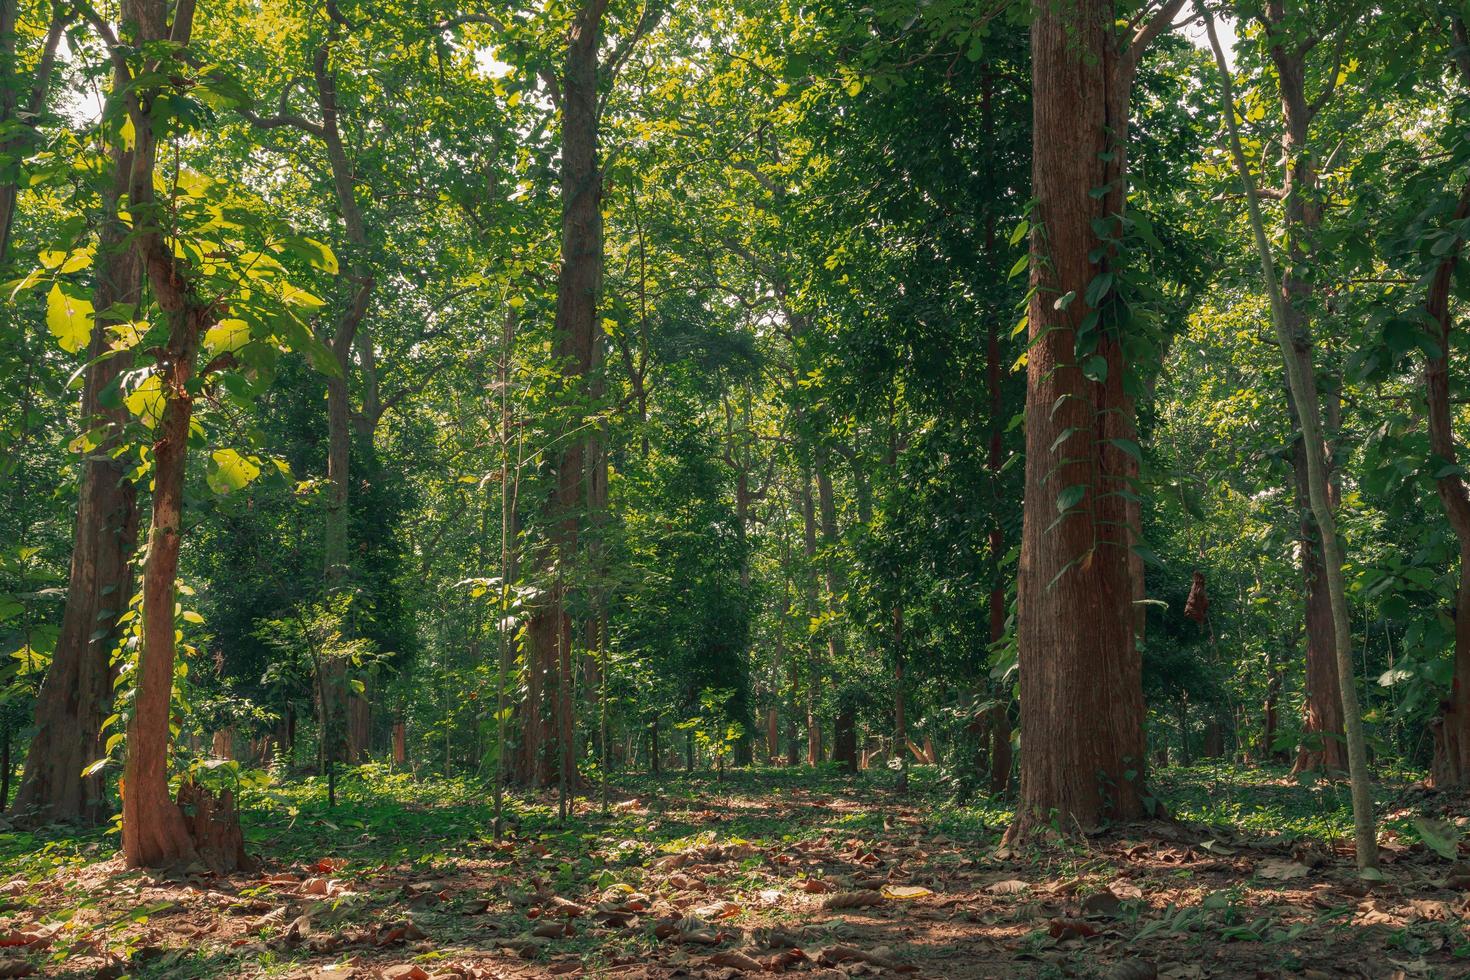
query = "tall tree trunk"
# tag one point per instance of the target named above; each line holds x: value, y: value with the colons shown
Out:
x: 35, y: 90
x: 579, y: 281
x: 814, y: 665
x: 1301, y: 378
x: 1322, y: 721
x: 900, y: 704
x: 156, y: 831
x: 1452, y: 744
x: 844, y: 731
x: 341, y: 726
x: 76, y: 694
x: 1082, y: 712
x: 997, y: 725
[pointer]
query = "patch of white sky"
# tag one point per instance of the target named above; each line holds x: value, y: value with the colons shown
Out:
x: 1224, y: 30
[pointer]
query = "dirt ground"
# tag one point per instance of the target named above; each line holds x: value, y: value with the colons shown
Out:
x: 719, y: 884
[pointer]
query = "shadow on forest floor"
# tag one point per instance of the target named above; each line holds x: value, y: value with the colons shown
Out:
x: 769, y: 869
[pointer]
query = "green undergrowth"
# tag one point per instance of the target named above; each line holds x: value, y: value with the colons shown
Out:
x: 393, y: 817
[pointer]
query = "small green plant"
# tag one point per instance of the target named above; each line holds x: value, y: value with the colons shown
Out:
x: 713, y: 730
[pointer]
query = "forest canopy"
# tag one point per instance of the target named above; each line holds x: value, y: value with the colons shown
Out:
x: 994, y: 409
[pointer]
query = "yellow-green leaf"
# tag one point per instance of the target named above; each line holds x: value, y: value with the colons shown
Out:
x: 69, y: 319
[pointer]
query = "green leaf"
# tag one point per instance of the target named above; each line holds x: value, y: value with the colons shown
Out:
x: 1130, y: 447
x: 231, y: 472
x: 1019, y: 267
x: 1020, y: 232
x: 1096, y: 368
x: 1070, y: 497
x: 69, y: 318
x: 1440, y: 836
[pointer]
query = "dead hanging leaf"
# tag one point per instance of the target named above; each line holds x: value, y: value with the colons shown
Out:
x: 853, y: 900
x: 905, y: 893
x: 1013, y: 886
x: 1279, y: 869
x: 1071, y: 929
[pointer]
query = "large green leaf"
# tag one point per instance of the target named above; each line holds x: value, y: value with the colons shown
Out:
x: 69, y: 318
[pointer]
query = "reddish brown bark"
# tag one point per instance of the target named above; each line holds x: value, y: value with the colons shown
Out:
x: 400, y: 743
x: 156, y: 830
x: 1082, y: 710
x: 1452, y: 732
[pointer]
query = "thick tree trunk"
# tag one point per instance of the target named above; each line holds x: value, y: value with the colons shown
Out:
x: 154, y: 831
x: 1322, y: 747
x: 1082, y: 712
x: 76, y: 695
x: 579, y: 281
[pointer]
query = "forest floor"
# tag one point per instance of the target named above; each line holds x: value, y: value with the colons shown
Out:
x: 769, y: 871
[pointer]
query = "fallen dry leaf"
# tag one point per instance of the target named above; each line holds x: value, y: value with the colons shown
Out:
x: 853, y: 900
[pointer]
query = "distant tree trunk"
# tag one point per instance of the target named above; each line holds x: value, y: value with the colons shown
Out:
x: 339, y: 728
x: 76, y: 694
x: 844, y: 732
x: 1302, y: 381
x: 400, y: 743
x: 1271, y: 710
x: 579, y: 281
x: 997, y: 723
x: 1214, y: 738
x: 1182, y: 708
x: 814, y: 667
x: 793, y: 749
x: 1082, y: 713
x: 1452, y: 741
x: 222, y: 745
x: 35, y: 89
x: 900, y: 703
x: 773, y: 721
